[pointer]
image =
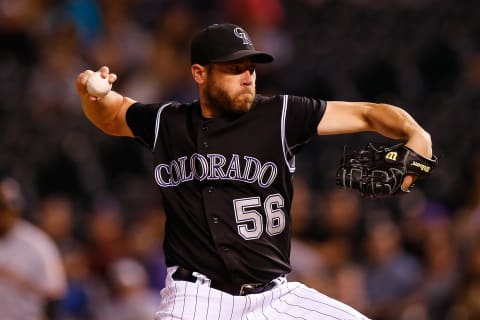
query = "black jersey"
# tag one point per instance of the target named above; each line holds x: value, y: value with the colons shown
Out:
x: 226, y: 182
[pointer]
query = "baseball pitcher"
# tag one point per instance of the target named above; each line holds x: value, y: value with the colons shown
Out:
x: 224, y: 166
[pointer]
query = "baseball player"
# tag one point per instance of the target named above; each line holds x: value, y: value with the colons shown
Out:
x: 224, y: 166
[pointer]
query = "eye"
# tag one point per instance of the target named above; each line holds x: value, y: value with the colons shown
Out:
x: 240, y: 68
x: 237, y: 69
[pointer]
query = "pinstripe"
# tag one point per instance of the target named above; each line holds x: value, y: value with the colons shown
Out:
x: 341, y: 306
x: 271, y: 301
x: 286, y: 301
x: 184, y: 297
x: 244, y: 306
x: 220, y: 310
x: 263, y: 302
x: 267, y: 305
x: 262, y: 297
x: 208, y: 302
x: 196, y: 299
x: 315, y: 311
x: 281, y: 312
x: 249, y: 306
x: 322, y: 302
x: 233, y: 307
x: 253, y: 298
x: 174, y: 296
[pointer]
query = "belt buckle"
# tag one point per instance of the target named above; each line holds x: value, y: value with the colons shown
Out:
x: 248, y: 286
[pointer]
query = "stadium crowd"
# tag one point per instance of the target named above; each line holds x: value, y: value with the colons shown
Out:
x: 402, y: 258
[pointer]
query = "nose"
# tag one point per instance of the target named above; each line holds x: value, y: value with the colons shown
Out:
x: 248, y: 77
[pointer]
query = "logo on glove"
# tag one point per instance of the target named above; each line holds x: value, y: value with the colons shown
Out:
x: 421, y: 166
x: 392, y: 155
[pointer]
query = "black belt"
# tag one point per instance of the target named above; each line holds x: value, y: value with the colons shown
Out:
x: 236, y: 290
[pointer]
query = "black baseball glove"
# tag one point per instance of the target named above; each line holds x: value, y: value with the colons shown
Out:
x: 378, y: 170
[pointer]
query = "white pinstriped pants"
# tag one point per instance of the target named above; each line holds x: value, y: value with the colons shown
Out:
x: 288, y: 300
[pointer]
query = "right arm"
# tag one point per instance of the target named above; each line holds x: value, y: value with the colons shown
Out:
x: 108, y: 113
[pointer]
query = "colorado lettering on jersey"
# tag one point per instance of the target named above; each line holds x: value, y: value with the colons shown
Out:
x: 215, y: 167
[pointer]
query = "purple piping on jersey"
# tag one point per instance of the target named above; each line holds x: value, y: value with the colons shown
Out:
x: 291, y: 165
x: 157, y: 123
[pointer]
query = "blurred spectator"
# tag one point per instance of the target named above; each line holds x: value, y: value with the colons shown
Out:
x: 106, y: 236
x: 120, y: 40
x: 467, y: 304
x: 466, y: 231
x: 58, y: 62
x: 305, y: 258
x: 55, y: 216
x: 145, y: 237
x: 87, y: 18
x: 265, y: 20
x: 132, y: 298
x: 467, y: 218
x: 32, y: 277
x: 412, y: 222
x: 339, y: 227
x: 78, y: 302
x: 392, y: 274
x: 350, y: 286
x: 441, y: 271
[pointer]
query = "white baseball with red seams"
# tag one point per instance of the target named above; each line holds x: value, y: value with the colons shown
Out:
x: 97, y: 85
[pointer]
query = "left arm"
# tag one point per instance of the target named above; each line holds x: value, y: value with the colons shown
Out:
x: 387, y: 120
x: 390, y: 121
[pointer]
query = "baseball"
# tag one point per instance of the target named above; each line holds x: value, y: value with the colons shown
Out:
x: 97, y: 85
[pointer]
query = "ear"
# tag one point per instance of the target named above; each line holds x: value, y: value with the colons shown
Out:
x: 199, y: 73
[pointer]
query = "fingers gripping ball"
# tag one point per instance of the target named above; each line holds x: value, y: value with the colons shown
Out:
x: 97, y: 85
x: 378, y: 170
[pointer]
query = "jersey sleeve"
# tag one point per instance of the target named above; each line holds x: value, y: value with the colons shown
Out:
x: 142, y: 118
x: 302, y: 115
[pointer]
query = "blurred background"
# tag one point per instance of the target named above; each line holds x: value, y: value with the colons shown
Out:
x: 409, y: 257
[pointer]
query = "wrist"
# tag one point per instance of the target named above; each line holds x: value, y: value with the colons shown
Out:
x: 421, y: 143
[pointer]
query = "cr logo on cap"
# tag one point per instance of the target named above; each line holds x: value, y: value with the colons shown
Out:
x: 240, y: 33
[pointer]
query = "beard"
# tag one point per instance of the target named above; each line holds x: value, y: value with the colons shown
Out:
x: 225, y: 103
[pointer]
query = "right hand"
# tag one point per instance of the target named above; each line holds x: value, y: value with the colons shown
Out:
x: 82, y: 81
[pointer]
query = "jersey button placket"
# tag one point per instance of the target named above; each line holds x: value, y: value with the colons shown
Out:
x: 203, y: 137
x: 215, y: 222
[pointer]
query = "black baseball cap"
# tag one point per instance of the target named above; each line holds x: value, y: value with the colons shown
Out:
x: 223, y: 43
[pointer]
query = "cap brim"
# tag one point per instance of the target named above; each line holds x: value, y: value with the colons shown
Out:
x: 256, y: 56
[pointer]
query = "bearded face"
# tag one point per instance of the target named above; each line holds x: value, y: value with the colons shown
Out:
x: 230, y: 87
